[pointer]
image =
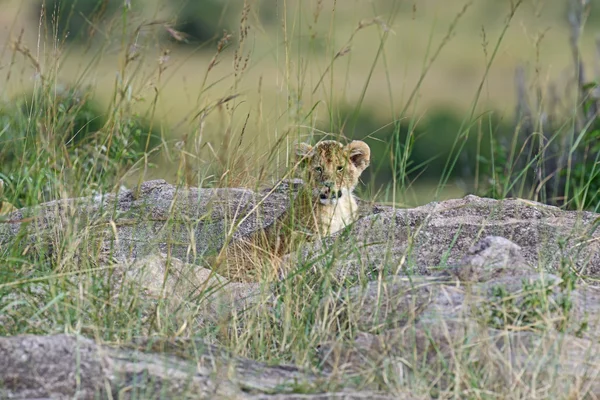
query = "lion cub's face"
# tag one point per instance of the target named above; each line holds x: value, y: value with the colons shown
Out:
x: 333, y: 169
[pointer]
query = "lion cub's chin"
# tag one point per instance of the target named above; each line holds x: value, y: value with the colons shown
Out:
x: 328, y: 202
x: 343, y: 195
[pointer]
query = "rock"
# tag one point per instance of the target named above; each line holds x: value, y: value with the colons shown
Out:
x: 186, y: 223
x: 516, y: 322
x: 381, y: 305
x: 186, y: 293
x: 186, y: 288
x: 189, y: 222
x: 424, y: 239
x: 183, y: 222
x: 336, y: 396
x: 455, y: 355
x: 398, y: 300
x: 491, y: 257
x: 62, y: 366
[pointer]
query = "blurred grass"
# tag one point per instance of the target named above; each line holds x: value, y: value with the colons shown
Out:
x: 291, y: 71
x: 452, y: 80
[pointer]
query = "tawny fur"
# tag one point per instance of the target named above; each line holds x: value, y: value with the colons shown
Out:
x: 5, y: 206
x: 323, y: 206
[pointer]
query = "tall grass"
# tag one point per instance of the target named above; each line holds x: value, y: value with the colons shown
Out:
x: 57, y: 144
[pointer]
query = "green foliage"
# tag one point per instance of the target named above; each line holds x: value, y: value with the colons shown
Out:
x: 554, y: 153
x: 528, y: 309
x: 517, y: 167
x: 532, y: 307
x: 585, y: 173
x: 77, y: 20
x: 60, y: 135
x: 411, y: 149
x: 204, y: 21
x: 496, y: 169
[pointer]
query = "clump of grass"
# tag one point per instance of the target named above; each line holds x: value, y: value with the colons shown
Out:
x: 531, y: 308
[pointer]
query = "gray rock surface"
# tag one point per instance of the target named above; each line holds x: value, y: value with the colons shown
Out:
x: 158, y: 218
x: 187, y: 289
x: 183, y: 222
x: 62, y: 366
x: 187, y: 223
x: 438, y: 235
x: 511, y: 322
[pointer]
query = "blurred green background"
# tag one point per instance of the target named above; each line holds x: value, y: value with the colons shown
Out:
x: 397, y: 74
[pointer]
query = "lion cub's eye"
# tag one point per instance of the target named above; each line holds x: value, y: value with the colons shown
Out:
x: 318, y: 169
x: 340, y: 168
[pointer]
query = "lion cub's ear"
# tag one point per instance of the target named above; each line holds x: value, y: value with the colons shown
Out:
x: 303, y: 151
x: 359, y: 154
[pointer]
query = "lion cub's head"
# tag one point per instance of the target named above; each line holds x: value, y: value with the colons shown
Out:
x: 332, y: 168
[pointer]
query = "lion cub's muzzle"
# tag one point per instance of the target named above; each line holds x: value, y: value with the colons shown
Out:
x: 328, y: 195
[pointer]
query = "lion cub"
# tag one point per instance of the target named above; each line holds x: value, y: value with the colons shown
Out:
x: 323, y: 206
